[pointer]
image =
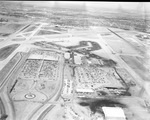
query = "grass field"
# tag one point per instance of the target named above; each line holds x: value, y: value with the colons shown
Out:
x: 30, y: 29
x: 44, y: 32
x: 136, y: 66
x: 9, y: 66
x: 6, y: 51
x: 8, y: 29
x: 118, y: 45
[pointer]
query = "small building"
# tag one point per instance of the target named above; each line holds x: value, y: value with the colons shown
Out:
x: 84, y: 90
x: 113, y: 113
x: 77, y: 59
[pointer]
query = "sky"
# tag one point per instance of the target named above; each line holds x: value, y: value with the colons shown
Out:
x: 112, y: 5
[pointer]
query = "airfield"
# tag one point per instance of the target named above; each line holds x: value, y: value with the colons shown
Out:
x: 54, y: 72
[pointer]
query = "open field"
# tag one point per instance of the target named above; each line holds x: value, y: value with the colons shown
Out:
x: 136, y: 66
x: 54, y: 28
x: 30, y: 29
x: 82, y: 44
x: 25, y: 108
x: 74, y: 61
x: 35, y: 82
x: 57, y: 113
x: 8, y: 67
x: 45, y: 32
x: 118, y: 45
x: 130, y: 38
x: 7, y: 50
x: 11, y: 18
x: 8, y: 29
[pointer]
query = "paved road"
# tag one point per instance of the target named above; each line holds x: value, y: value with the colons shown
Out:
x: 109, y: 50
x: 57, y: 95
x: 2, y: 111
x: 4, y: 90
x: 44, y: 113
x: 104, y: 45
x: 8, y: 41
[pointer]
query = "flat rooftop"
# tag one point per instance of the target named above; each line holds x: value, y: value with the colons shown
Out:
x: 114, y: 113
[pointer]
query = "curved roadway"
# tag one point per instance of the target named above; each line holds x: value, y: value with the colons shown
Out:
x: 43, y: 114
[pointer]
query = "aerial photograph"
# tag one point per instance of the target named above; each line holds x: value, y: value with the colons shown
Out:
x: 74, y: 60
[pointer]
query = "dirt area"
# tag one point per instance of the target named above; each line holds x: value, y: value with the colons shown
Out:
x: 136, y: 109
